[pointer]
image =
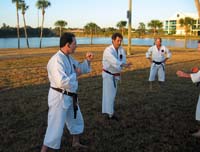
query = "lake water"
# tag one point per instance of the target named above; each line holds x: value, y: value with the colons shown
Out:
x: 54, y: 41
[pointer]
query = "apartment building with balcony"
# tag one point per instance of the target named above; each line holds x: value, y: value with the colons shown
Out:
x: 172, y: 26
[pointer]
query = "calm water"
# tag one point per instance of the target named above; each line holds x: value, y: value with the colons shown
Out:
x: 54, y: 41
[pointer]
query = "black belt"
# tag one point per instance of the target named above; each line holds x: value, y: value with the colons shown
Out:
x: 73, y: 95
x: 64, y: 91
x: 157, y: 62
x: 114, y: 74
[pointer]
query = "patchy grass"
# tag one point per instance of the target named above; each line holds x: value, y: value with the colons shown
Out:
x: 150, y: 121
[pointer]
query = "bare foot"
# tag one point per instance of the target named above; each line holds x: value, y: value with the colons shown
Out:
x: 196, y: 134
x: 78, y: 145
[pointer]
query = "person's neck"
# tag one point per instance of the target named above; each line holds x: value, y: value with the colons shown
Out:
x: 116, y: 48
x: 158, y: 47
x: 64, y: 52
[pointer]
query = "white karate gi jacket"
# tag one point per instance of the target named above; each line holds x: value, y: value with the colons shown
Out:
x: 62, y: 75
x: 158, y: 56
x: 112, y: 63
x: 196, y: 78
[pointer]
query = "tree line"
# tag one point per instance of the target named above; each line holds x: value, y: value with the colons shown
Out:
x: 154, y: 26
x: 7, y: 31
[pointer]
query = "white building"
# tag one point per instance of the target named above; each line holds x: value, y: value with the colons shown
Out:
x: 172, y: 26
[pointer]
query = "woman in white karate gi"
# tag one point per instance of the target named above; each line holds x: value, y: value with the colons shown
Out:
x: 157, y: 55
x: 63, y: 71
x: 195, y: 77
x: 114, y: 59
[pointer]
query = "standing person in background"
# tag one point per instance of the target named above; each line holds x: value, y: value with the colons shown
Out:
x: 195, y: 77
x: 63, y: 71
x: 114, y: 59
x: 157, y: 55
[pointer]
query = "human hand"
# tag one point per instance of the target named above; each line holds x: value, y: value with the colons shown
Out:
x: 180, y: 73
x: 89, y: 56
x: 127, y: 65
x: 78, y: 71
x: 150, y: 60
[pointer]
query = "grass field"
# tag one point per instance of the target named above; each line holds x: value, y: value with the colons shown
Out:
x: 150, y: 121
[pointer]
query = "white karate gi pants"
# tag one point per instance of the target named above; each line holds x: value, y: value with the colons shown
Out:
x: 157, y: 70
x: 58, y: 116
x: 198, y: 110
x: 109, y: 93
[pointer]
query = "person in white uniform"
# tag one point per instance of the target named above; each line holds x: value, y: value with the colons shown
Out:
x: 195, y: 77
x: 63, y: 71
x: 158, y: 54
x: 114, y: 59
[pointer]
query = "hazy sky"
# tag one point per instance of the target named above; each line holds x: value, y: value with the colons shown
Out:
x: 105, y: 13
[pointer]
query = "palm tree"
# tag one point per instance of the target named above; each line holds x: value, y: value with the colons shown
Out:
x: 187, y: 23
x: 197, y: 3
x: 42, y: 4
x: 155, y: 24
x: 91, y: 28
x: 141, y: 28
x: 17, y: 6
x: 121, y: 25
x: 24, y: 7
x: 60, y: 24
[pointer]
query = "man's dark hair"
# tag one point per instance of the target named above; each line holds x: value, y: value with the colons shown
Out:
x: 198, y: 41
x: 115, y: 35
x: 67, y: 37
x: 158, y: 38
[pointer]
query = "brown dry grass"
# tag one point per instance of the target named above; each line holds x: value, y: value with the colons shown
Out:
x: 149, y: 121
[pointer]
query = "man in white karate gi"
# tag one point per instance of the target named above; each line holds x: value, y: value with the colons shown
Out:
x: 195, y: 77
x: 158, y: 54
x: 63, y: 71
x: 114, y: 59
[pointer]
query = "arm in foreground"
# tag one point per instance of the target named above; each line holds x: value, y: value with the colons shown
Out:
x: 182, y: 74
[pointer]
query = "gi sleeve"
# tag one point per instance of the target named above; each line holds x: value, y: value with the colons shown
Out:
x: 85, y: 67
x: 169, y: 54
x: 149, y: 52
x: 195, y: 77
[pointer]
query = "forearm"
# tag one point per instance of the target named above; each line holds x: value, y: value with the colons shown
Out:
x: 166, y: 59
x: 186, y: 75
x: 183, y: 74
x: 150, y: 60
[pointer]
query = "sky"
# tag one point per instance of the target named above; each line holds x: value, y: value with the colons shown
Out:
x: 105, y: 13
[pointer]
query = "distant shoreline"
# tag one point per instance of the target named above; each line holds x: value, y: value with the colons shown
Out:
x: 10, y: 53
x: 106, y: 35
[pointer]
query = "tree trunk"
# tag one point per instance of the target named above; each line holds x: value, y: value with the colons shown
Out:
x: 41, y: 29
x: 60, y: 31
x: 18, y: 36
x: 185, y: 42
x: 154, y: 32
x: 25, y: 32
x: 91, y: 36
x: 129, y: 27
